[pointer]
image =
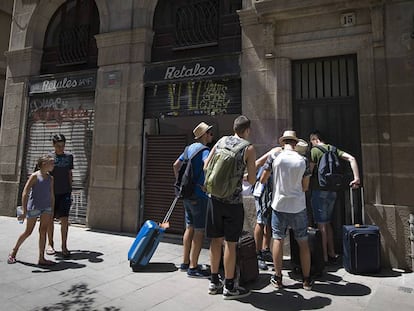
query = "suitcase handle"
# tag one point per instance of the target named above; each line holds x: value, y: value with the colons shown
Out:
x: 351, y: 198
x: 170, y: 210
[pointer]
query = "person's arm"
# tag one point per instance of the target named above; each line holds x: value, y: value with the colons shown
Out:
x: 250, y: 156
x: 25, y: 194
x: 176, y: 167
x: 210, y: 155
x: 305, y: 183
x: 354, y: 166
x: 52, y: 194
x: 262, y: 160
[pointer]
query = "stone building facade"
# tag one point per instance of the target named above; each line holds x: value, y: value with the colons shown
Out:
x: 344, y: 67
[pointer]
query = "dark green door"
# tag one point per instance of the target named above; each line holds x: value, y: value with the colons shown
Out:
x: 325, y: 97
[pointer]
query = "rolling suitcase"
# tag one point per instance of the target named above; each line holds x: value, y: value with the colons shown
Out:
x: 247, y: 269
x: 147, y: 240
x: 361, y: 244
x: 315, y: 246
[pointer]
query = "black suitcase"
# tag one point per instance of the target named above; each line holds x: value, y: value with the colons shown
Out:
x: 247, y: 269
x: 315, y: 246
x: 361, y: 244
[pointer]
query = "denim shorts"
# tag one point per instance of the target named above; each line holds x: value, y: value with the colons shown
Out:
x: 323, y: 203
x: 34, y: 213
x: 297, y: 221
x: 262, y: 217
x: 195, y: 212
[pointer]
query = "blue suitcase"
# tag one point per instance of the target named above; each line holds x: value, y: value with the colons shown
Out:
x: 361, y: 245
x: 147, y: 240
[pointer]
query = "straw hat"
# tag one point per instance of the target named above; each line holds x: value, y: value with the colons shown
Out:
x: 288, y: 135
x: 201, y: 129
x: 301, y: 146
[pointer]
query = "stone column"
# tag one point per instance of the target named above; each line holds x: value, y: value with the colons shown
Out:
x: 114, y: 191
x: 21, y: 65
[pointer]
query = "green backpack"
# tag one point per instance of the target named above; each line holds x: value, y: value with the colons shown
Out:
x: 221, y: 178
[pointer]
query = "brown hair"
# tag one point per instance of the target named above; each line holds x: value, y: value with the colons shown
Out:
x: 241, y: 123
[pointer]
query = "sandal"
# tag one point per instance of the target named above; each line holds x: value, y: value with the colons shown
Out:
x: 50, y: 251
x: 11, y: 259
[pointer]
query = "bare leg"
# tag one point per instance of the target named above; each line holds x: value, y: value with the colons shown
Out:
x: 64, y: 227
x: 324, y: 233
x: 229, y: 259
x: 330, y: 240
x: 258, y: 236
x: 305, y: 258
x: 278, y: 255
x: 267, y: 237
x: 50, y: 231
x: 187, y: 241
x: 30, y: 224
x: 196, y: 245
x: 216, y: 246
x: 43, y: 227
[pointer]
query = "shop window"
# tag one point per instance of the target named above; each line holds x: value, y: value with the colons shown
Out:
x: 69, y: 42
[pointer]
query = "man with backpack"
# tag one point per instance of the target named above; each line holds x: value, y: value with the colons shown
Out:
x: 225, y: 168
x: 291, y: 176
x: 325, y: 182
x: 194, y: 197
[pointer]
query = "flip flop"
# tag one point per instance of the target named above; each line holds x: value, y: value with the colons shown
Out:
x: 47, y: 263
x: 50, y: 251
x: 11, y: 259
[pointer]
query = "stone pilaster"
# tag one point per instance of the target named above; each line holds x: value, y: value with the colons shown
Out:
x: 20, y: 65
x: 117, y: 146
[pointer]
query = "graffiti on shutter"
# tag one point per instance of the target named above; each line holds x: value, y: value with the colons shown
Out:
x: 72, y: 116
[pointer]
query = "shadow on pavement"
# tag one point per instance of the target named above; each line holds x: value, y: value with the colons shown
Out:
x: 78, y: 297
x: 285, y: 300
x: 91, y: 256
x: 59, y: 266
x: 156, y: 267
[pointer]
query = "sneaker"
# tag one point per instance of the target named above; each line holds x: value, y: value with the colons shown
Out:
x: 262, y: 264
x: 307, y: 283
x: 214, y: 288
x: 267, y: 255
x: 276, y: 281
x: 184, y: 266
x: 198, y: 273
x: 235, y: 293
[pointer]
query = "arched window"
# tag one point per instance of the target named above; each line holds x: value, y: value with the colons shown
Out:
x: 69, y: 42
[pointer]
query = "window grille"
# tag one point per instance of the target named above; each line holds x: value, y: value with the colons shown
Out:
x: 196, y: 24
x: 73, y: 45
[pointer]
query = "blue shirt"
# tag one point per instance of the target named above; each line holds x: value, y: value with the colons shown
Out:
x: 197, y: 164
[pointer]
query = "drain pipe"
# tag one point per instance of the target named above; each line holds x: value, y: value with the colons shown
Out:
x: 411, y: 221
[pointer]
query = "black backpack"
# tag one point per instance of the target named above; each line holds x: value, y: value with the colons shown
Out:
x: 330, y: 172
x: 184, y: 184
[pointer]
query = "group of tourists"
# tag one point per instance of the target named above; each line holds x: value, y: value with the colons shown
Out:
x: 289, y: 169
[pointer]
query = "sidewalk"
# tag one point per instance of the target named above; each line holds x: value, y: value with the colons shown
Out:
x: 98, y: 277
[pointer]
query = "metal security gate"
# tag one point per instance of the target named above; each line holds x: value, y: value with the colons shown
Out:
x: 72, y: 116
x: 325, y: 97
x: 161, y: 152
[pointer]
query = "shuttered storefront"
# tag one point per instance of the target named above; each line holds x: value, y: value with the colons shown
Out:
x: 68, y: 110
x: 161, y: 152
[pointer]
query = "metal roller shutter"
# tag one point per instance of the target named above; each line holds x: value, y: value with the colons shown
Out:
x: 161, y: 152
x: 72, y: 116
